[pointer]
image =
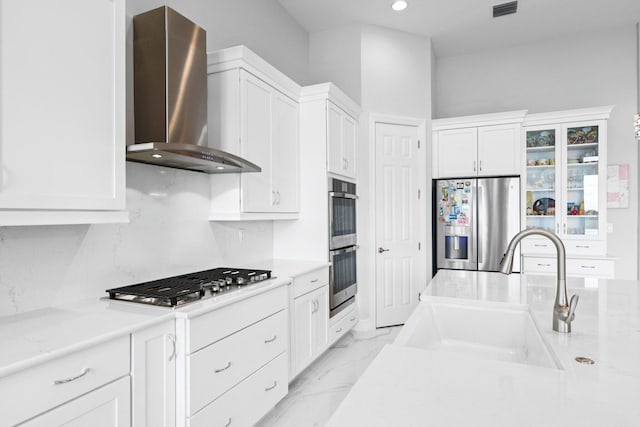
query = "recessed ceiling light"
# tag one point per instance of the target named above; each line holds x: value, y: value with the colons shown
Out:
x: 220, y: 168
x: 156, y: 156
x: 399, y: 5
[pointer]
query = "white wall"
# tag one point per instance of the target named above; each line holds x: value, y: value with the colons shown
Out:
x: 262, y: 25
x: 576, y: 71
x: 334, y: 56
x: 169, y: 232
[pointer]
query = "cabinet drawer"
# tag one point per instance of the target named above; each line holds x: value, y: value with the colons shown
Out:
x: 249, y: 401
x: 537, y: 246
x: 342, y: 326
x: 44, y: 386
x: 585, y: 247
x: 215, y: 369
x: 211, y: 327
x: 590, y: 267
x: 307, y: 282
x: 539, y: 265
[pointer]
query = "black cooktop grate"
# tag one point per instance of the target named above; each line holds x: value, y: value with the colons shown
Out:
x: 178, y: 290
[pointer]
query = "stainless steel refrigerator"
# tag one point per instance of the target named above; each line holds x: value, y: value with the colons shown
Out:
x: 474, y: 220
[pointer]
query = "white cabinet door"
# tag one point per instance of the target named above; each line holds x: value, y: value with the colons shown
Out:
x: 499, y: 150
x: 285, y: 154
x: 456, y: 152
x: 349, y: 139
x: 256, y: 140
x: 108, y: 406
x: 304, y: 330
x: 341, y: 144
x: 310, y: 327
x: 321, y: 319
x: 62, y: 105
x: 154, y: 376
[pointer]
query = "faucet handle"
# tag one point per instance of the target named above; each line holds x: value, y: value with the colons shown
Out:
x: 573, y: 303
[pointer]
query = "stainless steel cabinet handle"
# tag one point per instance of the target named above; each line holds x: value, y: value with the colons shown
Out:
x: 273, y: 198
x: 380, y: 250
x: 223, y: 369
x: 564, y: 228
x: 544, y: 265
x: 275, y: 383
x: 588, y: 266
x: 338, y: 330
x: 271, y: 339
x: 173, y: 343
x: 228, y: 423
x: 346, y: 164
x: 84, y: 372
x: 480, y: 165
x: 314, y: 281
x: 278, y: 193
x: 474, y: 165
x: 583, y: 246
x: 352, y: 319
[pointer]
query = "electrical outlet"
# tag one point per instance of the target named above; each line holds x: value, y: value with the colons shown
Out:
x: 241, y: 234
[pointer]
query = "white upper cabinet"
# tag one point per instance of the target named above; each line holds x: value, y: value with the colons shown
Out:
x: 253, y: 113
x: 62, y: 111
x: 341, y: 144
x: 484, y: 145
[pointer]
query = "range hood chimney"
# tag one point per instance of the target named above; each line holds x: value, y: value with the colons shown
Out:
x: 170, y: 96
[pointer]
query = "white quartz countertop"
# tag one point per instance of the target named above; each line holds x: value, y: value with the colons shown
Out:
x: 38, y: 336
x: 407, y: 386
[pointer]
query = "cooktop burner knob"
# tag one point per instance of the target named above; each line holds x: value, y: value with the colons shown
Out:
x: 229, y: 280
x: 240, y: 280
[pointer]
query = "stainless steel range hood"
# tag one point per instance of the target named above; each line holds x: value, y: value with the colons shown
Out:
x: 170, y: 96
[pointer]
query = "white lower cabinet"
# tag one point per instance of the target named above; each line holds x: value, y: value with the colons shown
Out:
x: 310, y: 325
x: 46, y: 386
x: 577, y: 267
x: 235, y: 363
x: 248, y: 401
x: 153, y: 369
x: 342, y: 323
x: 108, y: 406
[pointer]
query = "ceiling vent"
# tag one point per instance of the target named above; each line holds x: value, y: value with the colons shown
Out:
x: 505, y: 9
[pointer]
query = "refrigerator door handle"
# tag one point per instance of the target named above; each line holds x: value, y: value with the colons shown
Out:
x: 480, y: 203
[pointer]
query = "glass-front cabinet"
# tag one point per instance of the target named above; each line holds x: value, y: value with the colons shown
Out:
x: 565, y: 180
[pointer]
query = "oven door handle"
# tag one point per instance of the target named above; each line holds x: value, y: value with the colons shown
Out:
x: 342, y: 195
x: 344, y: 250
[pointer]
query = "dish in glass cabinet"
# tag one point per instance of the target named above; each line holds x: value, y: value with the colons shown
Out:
x: 585, y: 135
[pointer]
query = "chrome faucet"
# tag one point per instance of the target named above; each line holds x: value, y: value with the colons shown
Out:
x: 563, y: 314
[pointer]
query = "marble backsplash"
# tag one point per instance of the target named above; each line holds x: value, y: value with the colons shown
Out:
x: 168, y: 234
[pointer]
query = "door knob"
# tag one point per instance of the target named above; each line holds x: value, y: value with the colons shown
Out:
x: 380, y: 250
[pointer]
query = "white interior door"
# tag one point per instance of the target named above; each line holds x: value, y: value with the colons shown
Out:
x: 397, y: 222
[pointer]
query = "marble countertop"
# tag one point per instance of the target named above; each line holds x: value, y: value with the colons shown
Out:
x: 35, y: 337
x: 417, y: 387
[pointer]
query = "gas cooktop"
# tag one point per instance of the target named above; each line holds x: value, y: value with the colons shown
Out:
x: 179, y: 290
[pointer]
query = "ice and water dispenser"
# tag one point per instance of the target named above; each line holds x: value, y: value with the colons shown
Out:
x: 456, y: 243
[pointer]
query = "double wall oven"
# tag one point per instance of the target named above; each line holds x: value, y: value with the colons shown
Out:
x: 342, y: 244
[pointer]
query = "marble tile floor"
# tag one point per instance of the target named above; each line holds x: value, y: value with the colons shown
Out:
x: 316, y: 393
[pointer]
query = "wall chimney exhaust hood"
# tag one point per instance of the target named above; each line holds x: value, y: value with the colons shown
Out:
x: 170, y: 96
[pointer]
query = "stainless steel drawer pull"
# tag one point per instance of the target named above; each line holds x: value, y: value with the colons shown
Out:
x: 275, y: 383
x: 314, y: 280
x: 84, y: 372
x: 588, y: 266
x: 223, y: 369
x: 338, y: 330
x: 228, y: 423
x: 352, y: 319
x: 544, y: 265
x: 538, y: 245
x: 271, y: 339
x: 583, y: 246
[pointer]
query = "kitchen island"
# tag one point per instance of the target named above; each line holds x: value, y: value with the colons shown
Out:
x: 411, y: 386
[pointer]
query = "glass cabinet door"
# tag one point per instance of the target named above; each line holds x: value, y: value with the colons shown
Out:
x: 541, y: 182
x: 581, y: 180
